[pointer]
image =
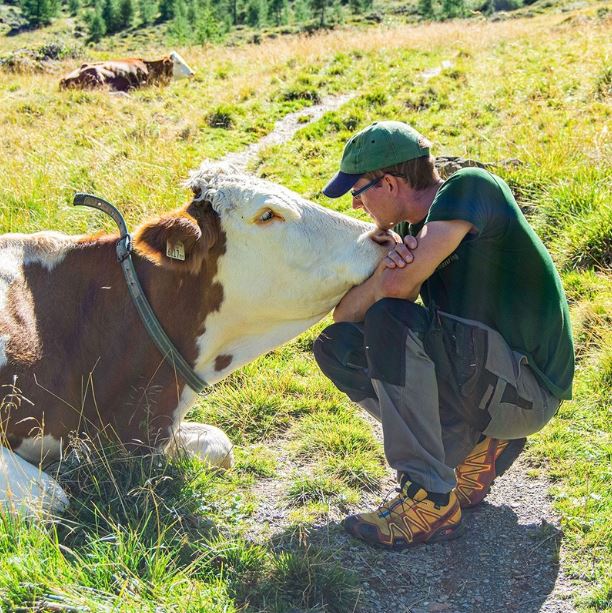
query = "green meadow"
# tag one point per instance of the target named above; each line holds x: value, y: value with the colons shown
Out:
x: 149, y: 534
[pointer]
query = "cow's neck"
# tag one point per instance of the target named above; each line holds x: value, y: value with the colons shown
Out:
x: 229, y: 342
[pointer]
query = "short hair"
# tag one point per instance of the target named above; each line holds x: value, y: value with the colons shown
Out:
x: 420, y: 173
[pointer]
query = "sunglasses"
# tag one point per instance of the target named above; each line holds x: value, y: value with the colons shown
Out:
x: 356, y: 193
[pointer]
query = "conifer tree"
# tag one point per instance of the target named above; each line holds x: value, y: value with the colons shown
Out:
x: 97, y: 27
x: 318, y: 8
x: 256, y: 13
x: 39, y: 12
x: 206, y: 25
x: 126, y: 14
x: 301, y: 11
x: 179, y: 28
x: 278, y: 8
x: 74, y: 6
x: 167, y: 9
x: 453, y: 8
x: 148, y: 11
x: 110, y: 17
x: 425, y: 8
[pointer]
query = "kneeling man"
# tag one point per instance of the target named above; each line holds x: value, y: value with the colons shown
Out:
x: 460, y: 382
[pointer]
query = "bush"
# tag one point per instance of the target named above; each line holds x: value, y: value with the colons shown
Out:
x: 221, y: 117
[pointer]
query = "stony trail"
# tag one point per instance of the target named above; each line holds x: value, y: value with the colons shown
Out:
x: 285, y: 128
x: 507, y: 560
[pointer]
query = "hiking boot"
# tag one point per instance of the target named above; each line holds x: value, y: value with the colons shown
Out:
x: 489, y: 459
x: 414, y: 516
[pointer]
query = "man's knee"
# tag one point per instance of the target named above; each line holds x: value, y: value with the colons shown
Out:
x: 396, y: 312
x: 341, y: 343
x: 387, y: 323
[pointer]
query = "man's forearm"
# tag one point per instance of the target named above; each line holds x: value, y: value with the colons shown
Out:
x: 360, y: 298
x: 356, y: 302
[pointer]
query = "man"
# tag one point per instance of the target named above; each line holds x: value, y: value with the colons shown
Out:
x: 458, y: 383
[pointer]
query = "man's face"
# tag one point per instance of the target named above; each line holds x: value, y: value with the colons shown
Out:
x: 377, y: 201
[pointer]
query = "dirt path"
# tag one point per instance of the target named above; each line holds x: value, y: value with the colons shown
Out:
x: 286, y: 128
x: 506, y: 561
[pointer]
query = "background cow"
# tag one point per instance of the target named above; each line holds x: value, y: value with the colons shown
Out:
x: 251, y: 265
x: 123, y: 75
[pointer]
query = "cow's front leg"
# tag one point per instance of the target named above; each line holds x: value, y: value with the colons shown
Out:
x: 208, y: 443
x: 27, y: 490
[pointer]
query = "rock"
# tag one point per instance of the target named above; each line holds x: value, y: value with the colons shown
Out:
x: 448, y: 165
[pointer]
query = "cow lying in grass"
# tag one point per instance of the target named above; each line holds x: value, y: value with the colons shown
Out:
x: 251, y: 266
x: 126, y: 74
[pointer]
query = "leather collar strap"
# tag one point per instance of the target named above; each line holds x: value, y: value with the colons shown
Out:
x: 150, y: 321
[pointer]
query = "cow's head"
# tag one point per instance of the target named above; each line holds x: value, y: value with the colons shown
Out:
x: 279, y: 262
x: 180, y: 68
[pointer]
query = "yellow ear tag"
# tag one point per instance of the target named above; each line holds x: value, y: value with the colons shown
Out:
x: 175, y: 251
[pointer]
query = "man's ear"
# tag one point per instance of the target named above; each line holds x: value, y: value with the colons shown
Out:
x: 173, y: 241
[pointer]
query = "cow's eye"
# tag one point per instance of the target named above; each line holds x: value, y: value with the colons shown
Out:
x: 265, y: 216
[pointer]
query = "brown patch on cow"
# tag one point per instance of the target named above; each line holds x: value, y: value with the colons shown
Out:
x: 89, y: 364
x: 120, y: 75
x: 223, y: 361
x: 18, y: 322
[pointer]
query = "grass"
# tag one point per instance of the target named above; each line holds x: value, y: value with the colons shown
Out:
x: 170, y: 534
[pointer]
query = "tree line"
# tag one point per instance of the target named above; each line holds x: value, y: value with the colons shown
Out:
x: 205, y: 20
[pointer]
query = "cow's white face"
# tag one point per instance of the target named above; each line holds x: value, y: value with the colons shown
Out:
x: 180, y: 68
x: 287, y: 263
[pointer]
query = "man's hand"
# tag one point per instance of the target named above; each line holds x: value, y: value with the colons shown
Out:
x: 401, y: 254
x: 436, y: 241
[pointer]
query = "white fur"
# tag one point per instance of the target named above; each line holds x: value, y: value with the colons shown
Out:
x: 40, y: 449
x: 26, y: 490
x: 180, y: 68
x: 10, y: 267
x: 208, y: 443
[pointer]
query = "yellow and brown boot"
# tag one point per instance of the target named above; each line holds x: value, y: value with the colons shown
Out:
x: 414, y: 516
x: 489, y: 459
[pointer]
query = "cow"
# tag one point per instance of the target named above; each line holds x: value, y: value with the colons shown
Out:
x: 126, y: 74
x: 245, y: 266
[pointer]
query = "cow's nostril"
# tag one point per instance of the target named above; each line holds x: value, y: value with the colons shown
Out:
x: 385, y: 238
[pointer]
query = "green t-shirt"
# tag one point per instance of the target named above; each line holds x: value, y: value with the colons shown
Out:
x: 502, y: 276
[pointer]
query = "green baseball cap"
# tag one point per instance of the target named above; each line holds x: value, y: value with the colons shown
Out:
x: 380, y: 145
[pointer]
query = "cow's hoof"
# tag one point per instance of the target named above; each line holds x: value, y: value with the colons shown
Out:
x: 208, y: 443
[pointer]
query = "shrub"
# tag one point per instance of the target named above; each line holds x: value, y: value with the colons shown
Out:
x: 221, y: 117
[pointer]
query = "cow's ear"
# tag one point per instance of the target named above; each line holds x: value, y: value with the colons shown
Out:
x: 173, y: 241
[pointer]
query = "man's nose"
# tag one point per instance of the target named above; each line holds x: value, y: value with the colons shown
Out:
x: 357, y: 204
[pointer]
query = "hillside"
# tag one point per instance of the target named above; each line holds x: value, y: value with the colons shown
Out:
x: 534, y: 89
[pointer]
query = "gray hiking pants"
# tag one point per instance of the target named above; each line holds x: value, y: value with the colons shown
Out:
x: 436, y: 383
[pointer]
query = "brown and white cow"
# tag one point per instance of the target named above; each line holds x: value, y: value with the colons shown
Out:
x: 261, y: 264
x: 126, y: 74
